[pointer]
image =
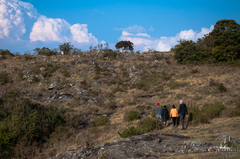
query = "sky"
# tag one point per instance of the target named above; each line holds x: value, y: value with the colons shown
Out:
x: 151, y: 24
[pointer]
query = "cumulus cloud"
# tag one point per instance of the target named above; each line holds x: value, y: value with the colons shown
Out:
x: 12, y: 16
x: 18, y: 18
x: 143, y: 41
x: 49, y: 29
x: 81, y: 35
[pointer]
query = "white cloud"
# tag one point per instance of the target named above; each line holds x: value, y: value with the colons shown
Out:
x: 133, y: 29
x: 12, y: 16
x: 81, y: 35
x: 13, y: 26
x: 143, y: 41
x: 143, y: 34
x: 49, y: 29
x: 126, y: 33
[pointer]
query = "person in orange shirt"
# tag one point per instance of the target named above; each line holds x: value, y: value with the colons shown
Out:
x: 174, y: 114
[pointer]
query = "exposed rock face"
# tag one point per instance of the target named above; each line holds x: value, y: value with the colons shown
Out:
x: 134, y: 73
x: 83, y: 96
x: 151, y: 146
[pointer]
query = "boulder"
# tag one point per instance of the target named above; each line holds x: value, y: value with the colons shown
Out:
x: 42, y: 69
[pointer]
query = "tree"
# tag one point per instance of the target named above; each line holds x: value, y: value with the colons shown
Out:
x: 188, y: 51
x: 45, y: 51
x: 66, y: 47
x: 226, y: 40
x: 124, y: 45
x: 220, y: 45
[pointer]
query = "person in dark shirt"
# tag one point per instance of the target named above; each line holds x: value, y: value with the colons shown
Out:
x: 158, y: 111
x: 164, y: 115
x: 182, y: 111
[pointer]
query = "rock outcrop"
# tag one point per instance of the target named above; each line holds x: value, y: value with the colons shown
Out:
x: 151, y: 146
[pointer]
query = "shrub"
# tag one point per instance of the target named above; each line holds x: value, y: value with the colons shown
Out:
x: 219, y: 86
x: 209, y: 111
x: 112, y: 105
x: 117, y: 89
x: 25, y: 121
x: 198, y: 98
x: 110, y: 54
x: 213, y: 110
x: 141, y: 107
x: 66, y: 74
x: 45, y: 51
x: 4, y: 78
x: 5, y: 52
x: 194, y: 71
x: 144, y: 126
x: 131, y: 115
x: 99, y: 121
x: 173, y: 84
x: 180, y: 95
x: 148, y: 107
x: 153, y: 113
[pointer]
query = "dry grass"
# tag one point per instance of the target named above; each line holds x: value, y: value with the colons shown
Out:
x: 187, y: 82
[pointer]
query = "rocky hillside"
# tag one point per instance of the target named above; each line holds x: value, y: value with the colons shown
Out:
x: 96, y: 90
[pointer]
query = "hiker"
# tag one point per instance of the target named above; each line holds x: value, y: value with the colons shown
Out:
x: 174, y: 114
x: 182, y: 111
x: 158, y: 111
x: 164, y: 115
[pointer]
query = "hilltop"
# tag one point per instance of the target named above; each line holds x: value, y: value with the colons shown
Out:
x: 87, y: 97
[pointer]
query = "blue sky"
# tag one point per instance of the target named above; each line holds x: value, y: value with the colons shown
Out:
x: 158, y: 25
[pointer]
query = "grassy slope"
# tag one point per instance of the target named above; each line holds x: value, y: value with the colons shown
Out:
x: 194, y: 90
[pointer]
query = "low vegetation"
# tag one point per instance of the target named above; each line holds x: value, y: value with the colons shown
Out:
x: 132, y: 115
x: 143, y: 126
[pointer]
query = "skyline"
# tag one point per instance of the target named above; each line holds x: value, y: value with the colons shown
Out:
x: 25, y: 25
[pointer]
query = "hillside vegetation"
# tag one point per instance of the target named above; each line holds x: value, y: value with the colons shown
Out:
x: 51, y: 102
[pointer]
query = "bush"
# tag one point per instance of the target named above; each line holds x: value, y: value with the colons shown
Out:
x: 117, y: 89
x: 99, y: 121
x: 110, y: 54
x: 45, y: 51
x: 209, y: 111
x: 219, y: 86
x: 173, y: 84
x: 198, y: 98
x: 25, y: 121
x: 153, y: 113
x: 4, y: 78
x: 144, y: 126
x: 67, y: 74
x: 112, y: 105
x: 131, y: 115
x: 141, y: 107
x: 148, y: 107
